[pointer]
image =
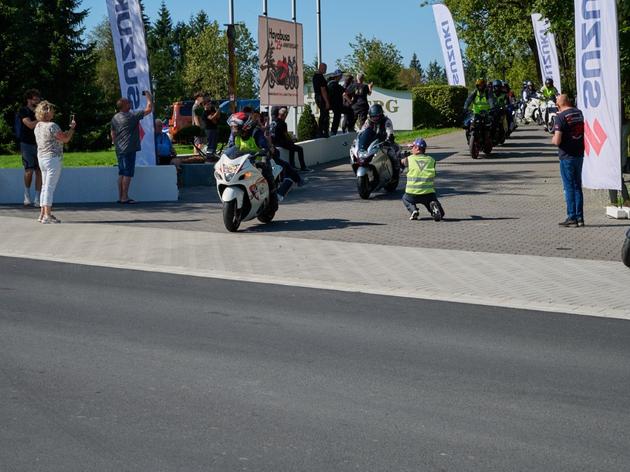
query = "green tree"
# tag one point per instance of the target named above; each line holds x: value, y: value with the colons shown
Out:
x: 106, y: 71
x: 435, y: 75
x: 381, y: 62
x: 408, y: 78
x: 415, y: 64
x: 246, y: 63
x: 206, y: 62
x: 164, y: 65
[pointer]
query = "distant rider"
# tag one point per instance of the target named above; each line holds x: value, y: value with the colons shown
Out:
x: 549, y: 91
x: 383, y: 127
x: 481, y: 101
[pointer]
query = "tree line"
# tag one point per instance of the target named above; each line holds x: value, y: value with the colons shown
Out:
x: 46, y: 47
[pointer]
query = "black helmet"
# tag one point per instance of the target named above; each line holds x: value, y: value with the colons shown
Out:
x: 497, y: 84
x: 376, y: 112
x: 549, y: 82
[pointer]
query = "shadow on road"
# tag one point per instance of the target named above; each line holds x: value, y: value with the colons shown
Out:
x: 322, y: 224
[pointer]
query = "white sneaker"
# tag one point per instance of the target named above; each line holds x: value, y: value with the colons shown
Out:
x: 27, y: 201
x: 39, y: 218
x: 36, y: 203
x: 47, y: 220
x: 414, y: 215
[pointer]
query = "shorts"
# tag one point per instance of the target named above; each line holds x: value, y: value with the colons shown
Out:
x: 29, y: 156
x: 126, y: 164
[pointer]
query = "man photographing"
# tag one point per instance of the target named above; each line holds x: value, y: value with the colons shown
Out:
x: 125, y: 132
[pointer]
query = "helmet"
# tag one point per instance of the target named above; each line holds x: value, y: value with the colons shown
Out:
x: 376, y: 112
x: 549, y: 81
x: 497, y: 84
x: 421, y: 143
x: 529, y: 83
x: 237, y: 119
x: 480, y: 82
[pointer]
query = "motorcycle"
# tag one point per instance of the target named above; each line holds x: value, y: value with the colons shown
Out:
x: 533, y: 111
x: 549, y: 112
x: 499, y: 126
x: 371, y: 164
x: 243, y: 189
x: 479, y: 134
x: 625, y: 250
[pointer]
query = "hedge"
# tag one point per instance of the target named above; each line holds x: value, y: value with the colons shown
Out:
x: 438, y: 105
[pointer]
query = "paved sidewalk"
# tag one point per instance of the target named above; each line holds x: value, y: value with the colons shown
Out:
x: 564, y: 285
x: 510, y: 203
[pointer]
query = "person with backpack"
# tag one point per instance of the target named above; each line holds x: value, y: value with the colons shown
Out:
x: 25, y: 123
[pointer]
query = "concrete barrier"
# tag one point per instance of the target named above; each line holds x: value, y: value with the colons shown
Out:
x: 96, y: 185
x: 320, y: 151
x: 151, y: 183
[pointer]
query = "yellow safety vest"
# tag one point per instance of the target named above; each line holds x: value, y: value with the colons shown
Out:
x: 480, y: 103
x: 246, y: 145
x: 420, y: 174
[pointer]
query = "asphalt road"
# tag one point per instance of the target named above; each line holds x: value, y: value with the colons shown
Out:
x: 112, y: 370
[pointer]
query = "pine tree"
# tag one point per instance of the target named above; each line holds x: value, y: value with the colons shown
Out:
x: 415, y: 64
x: 436, y: 74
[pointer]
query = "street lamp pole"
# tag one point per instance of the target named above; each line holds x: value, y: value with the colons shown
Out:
x: 231, y: 57
x: 319, y: 31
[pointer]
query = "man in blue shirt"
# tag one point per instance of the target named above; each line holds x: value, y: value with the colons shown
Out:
x: 569, y: 137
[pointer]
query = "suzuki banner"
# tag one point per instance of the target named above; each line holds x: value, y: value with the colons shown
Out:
x: 547, y: 53
x: 130, y: 47
x: 281, y: 62
x: 598, y: 91
x: 450, y: 45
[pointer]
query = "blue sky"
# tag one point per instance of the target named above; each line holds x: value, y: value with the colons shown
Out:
x: 401, y: 22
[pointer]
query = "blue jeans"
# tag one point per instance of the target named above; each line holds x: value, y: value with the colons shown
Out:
x: 213, y: 138
x: 571, y: 172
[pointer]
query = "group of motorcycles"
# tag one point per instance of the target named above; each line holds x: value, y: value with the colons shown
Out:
x: 486, y: 130
x: 245, y: 193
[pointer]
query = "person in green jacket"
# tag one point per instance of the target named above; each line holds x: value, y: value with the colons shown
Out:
x: 420, y: 178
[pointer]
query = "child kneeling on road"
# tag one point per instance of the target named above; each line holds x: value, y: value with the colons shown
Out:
x: 420, y: 177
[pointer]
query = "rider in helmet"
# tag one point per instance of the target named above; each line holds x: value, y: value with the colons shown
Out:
x: 384, y: 129
x: 242, y: 140
x: 549, y: 91
x: 481, y: 99
x: 529, y: 91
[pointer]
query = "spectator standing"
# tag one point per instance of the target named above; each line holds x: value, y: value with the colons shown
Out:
x: 335, y: 95
x: 420, y: 178
x: 625, y: 148
x: 125, y: 133
x: 569, y: 137
x: 211, y: 116
x: 50, y: 140
x: 320, y: 89
x: 164, y: 150
x: 198, y: 112
x: 28, y: 146
x: 360, y: 92
x: 281, y: 138
x: 348, y: 120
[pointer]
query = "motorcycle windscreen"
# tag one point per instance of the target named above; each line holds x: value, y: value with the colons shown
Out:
x: 366, y: 137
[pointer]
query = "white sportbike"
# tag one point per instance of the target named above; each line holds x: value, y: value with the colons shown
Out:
x: 243, y: 189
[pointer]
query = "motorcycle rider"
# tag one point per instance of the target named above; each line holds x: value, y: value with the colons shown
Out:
x: 530, y: 93
x: 420, y: 177
x: 242, y: 141
x: 481, y: 100
x: 509, y: 95
x: 549, y: 91
x: 383, y: 127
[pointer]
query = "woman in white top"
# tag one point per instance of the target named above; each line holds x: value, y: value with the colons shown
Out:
x: 50, y: 140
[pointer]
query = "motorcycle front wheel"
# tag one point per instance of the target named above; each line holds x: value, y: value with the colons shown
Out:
x: 363, y: 186
x: 473, y: 147
x: 625, y: 252
x: 231, y: 216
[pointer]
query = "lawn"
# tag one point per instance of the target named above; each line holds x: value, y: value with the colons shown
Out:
x: 108, y: 158
x: 82, y: 159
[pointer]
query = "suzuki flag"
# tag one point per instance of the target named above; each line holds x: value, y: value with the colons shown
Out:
x: 598, y: 91
x: 547, y: 53
x: 281, y: 62
x: 450, y: 45
x: 130, y: 47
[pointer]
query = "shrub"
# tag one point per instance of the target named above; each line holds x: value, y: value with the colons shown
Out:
x: 438, y: 105
x: 7, y: 138
x: 307, y: 126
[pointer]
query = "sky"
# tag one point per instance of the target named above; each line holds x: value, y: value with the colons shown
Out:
x: 401, y: 22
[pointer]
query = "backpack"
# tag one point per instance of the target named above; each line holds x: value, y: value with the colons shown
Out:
x: 17, y: 126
